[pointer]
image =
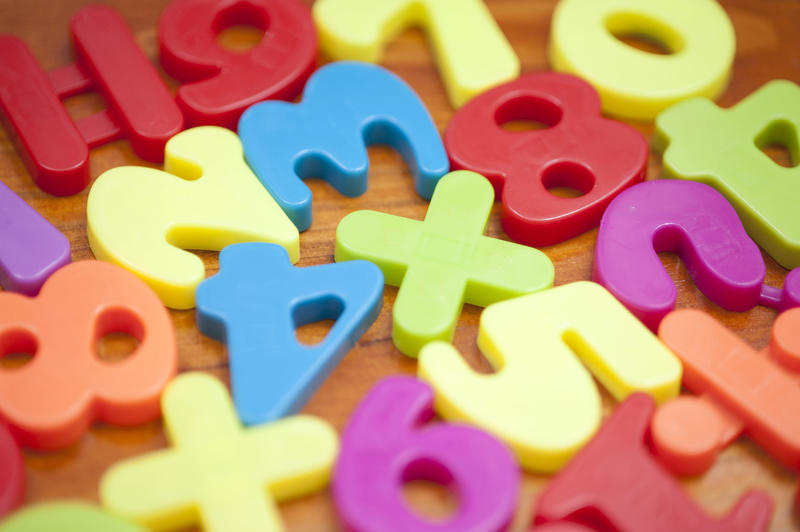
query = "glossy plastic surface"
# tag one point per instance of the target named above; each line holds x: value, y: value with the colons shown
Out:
x: 722, y: 148
x: 541, y: 400
x: 228, y: 476
x: 615, y: 484
x: 443, y: 262
x: 12, y: 472
x: 385, y: 446
x: 219, y: 84
x: 207, y: 198
x: 346, y: 106
x: 66, y: 517
x: 634, y: 83
x: 56, y: 149
x: 51, y: 400
x: 472, y: 52
x: 696, y: 222
x: 740, y: 390
x: 31, y: 249
x: 579, y: 149
x: 254, y: 305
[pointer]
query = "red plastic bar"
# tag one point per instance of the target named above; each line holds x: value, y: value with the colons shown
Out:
x: 56, y: 149
x: 143, y: 107
x: 51, y: 146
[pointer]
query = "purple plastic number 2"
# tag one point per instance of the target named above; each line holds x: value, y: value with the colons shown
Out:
x: 696, y: 222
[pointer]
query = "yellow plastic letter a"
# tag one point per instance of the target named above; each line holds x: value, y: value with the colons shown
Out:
x: 472, y: 52
x: 541, y: 401
x: 139, y: 217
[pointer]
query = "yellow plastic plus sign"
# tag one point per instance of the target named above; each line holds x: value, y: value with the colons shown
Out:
x: 218, y: 474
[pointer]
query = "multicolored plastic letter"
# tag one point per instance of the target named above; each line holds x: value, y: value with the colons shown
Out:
x: 472, y: 52
x: 56, y: 149
x: 740, y: 391
x: 207, y: 198
x: 227, y: 475
x: 443, y: 262
x: 696, y: 222
x: 384, y: 447
x: 255, y: 304
x: 633, y: 83
x: 581, y: 150
x: 66, y: 517
x: 346, y: 106
x: 50, y: 401
x: 30, y: 248
x: 221, y: 83
x: 722, y: 148
x: 614, y: 483
x: 541, y: 400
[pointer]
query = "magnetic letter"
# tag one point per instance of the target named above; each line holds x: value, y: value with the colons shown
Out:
x: 442, y: 262
x: 722, y: 148
x: 696, y: 222
x: 637, y: 84
x: 30, y: 248
x: 472, y: 52
x: 56, y: 149
x: 12, y: 470
x: 615, y: 484
x: 221, y: 83
x: 255, y: 304
x: 346, y: 106
x: 66, y: 517
x: 740, y: 391
x: 49, y: 402
x: 232, y: 476
x: 541, y: 400
x: 207, y: 198
x: 384, y: 446
x: 581, y: 149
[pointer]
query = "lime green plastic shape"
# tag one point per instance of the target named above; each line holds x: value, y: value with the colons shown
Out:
x: 66, y: 517
x: 207, y: 198
x: 633, y: 83
x: 722, y: 148
x: 472, y: 52
x: 218, y: 475
x: 443, y: 262
x: 541, y: 400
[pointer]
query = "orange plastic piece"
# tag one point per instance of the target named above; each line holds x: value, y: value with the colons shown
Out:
x: 740, y: 390
x: 51, y: 400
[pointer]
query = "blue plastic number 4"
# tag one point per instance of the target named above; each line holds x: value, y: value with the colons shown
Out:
x: 255, y: 304
x: 346, y: 106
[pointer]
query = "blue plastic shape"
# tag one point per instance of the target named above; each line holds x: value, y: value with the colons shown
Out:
x: 255, y: 303
x: 346, y: 106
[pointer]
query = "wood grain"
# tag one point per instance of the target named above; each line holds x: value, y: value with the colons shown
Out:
x: 768, y: 44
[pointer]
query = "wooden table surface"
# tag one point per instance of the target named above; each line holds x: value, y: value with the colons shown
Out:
x: 768, y: 47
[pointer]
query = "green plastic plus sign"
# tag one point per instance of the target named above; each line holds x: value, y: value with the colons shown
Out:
x: 443, y: 262
x: 219, y: 475
x: 722, y: 148
x: 66, y: 517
